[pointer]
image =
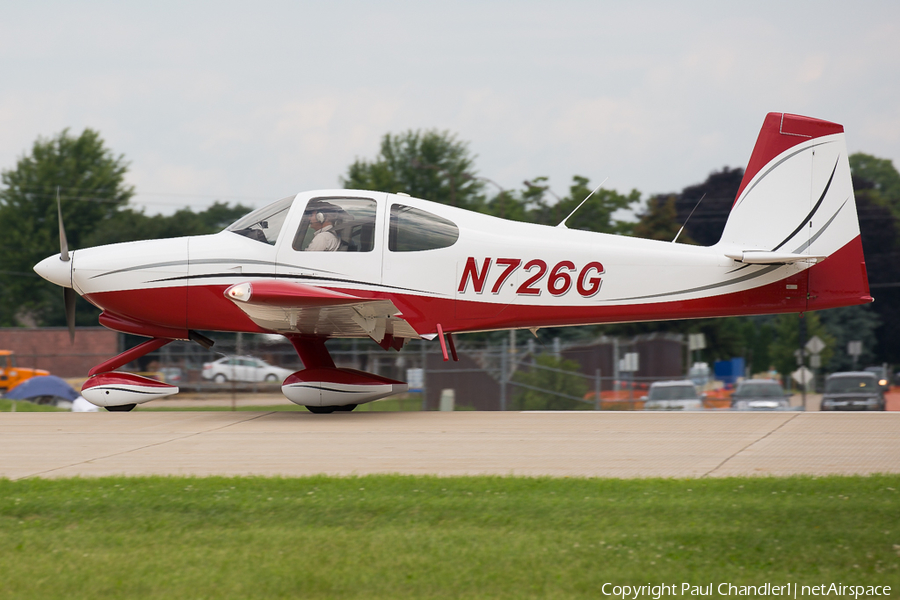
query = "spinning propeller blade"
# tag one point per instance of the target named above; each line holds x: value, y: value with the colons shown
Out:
x: 69, y: 294
x: 63, y: 244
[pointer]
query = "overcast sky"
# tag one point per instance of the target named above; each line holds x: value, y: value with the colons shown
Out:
x: 254, y: 101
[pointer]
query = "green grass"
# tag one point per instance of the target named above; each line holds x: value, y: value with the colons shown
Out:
x: 7, y: 405
x: 472, y: 537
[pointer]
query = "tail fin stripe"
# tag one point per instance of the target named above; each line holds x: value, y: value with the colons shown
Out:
x: 743, y: 193
x: 765, y: 270
x: 813, y: 211
x: 806, y: 244
x: 811, y: 240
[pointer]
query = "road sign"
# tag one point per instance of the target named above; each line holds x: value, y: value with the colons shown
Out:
x: 854, y: 348
x: 696, y: 341
x: 815, y: 361
x: 629, y: 363
x: 802, y: 375
x: 815, y: 344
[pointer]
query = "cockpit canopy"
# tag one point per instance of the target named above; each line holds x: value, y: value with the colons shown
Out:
x: 352, y: 221
x: 264, y: 224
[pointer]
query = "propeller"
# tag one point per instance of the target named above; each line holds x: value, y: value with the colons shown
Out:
x: 69, y: 293
x: 63, y: 244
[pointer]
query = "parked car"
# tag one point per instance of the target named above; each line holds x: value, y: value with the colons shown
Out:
x: 172, y: 375
x: 853, y: 390
x: 244, y: 369
x: 760, y: 394
x: 882, y: 374
x: 673, y: 395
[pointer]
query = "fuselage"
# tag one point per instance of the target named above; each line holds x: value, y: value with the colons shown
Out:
x: 435, y: 263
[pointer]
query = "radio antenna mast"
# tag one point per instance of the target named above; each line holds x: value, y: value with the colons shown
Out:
x: 563, y: 223
x: 688, y: 218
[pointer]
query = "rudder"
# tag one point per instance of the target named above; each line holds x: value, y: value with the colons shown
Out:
x: 795, y: 200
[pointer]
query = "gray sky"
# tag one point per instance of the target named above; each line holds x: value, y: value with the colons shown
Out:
x: 253, y: 101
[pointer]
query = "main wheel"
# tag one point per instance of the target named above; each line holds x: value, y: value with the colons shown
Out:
x: 324, y: 410
x: 121, y: 408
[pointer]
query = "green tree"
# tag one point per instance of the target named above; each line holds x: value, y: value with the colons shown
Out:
x: 130, y: 224
x: 430, y: 164
x: 880, y: 172
x: 560, y: 376
x: 787, y: 341
x: 659, y: 221
x: 850, y: 323
x: 91, y: 183
x: 596, y: 214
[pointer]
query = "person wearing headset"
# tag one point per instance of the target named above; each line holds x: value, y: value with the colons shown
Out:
x: 324, y: 239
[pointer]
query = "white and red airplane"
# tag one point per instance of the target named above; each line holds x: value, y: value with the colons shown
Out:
x: 355, y: 264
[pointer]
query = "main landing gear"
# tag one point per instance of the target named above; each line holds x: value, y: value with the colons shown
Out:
x: 121, y: 392
x: 324, y: 388
x: 321, y: 386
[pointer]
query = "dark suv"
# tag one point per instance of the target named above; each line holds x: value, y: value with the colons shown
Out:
x: 854, y: 390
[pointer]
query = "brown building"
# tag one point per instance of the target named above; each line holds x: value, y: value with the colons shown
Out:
x: 49, y: 348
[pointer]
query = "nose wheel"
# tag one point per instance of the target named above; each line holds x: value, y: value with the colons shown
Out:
x: 121, y: 408
x: 324, y: 410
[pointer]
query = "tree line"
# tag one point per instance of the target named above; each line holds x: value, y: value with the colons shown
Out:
x: 437, y: 166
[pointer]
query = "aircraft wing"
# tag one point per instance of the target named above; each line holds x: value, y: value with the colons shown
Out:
x: 288, y: 307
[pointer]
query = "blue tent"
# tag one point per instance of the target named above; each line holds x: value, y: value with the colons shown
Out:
x: 46, y: 385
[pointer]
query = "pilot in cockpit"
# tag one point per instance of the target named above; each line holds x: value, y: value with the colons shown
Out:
x: 323, y: 222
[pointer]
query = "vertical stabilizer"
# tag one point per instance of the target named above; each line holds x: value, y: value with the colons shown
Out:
x: 796, y: 198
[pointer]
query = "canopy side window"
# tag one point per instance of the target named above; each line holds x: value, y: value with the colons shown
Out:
x: 264, y: 224
x: 413, y: 230
x: 348, y: 222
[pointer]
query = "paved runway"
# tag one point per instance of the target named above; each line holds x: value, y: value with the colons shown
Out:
x: 576, y: 444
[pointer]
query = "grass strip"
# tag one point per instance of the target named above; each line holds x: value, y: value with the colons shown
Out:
x: 9, y: 405
x: 424, y: 537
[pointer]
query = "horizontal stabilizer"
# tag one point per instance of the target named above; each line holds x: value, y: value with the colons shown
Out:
x: 763, y: 257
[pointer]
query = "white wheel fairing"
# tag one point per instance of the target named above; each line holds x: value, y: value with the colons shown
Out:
x: 338, y: 387
x: 117, y: 389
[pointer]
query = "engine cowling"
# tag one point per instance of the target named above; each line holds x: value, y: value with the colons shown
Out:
x: 338, y: 387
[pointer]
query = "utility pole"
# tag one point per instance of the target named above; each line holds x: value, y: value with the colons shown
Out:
x: 503, y: 372
x: 802, y: 333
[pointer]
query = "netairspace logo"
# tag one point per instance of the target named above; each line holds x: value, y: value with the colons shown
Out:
x: 788, y: 590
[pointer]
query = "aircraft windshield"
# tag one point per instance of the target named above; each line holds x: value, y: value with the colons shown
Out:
x: 673, y: 392
x: 768, y: 389
x: 847, y: 385
x: 264, y: 224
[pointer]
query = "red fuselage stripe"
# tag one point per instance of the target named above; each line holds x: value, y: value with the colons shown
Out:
x: 837, y: 281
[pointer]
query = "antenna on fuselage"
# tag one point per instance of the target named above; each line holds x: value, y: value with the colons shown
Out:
x: 688, y: 218
x: 563, y: 223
